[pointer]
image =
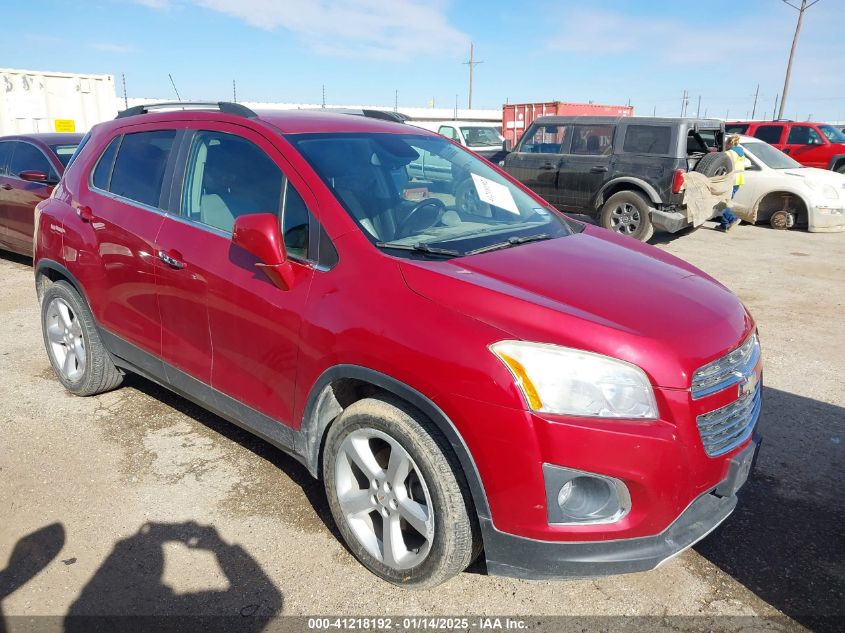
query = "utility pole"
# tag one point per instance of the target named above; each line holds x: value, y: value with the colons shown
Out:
x: 754, y: 109
x: 472, y: 63
x: 684, y: 101
x: 125, y: 98
x: 456, y: 108
x: 234, y: 92
x: 396, y: 100
x: 776, y: 107
x: 324, y: 96
x: 804, y: 6
x: 698, y: 110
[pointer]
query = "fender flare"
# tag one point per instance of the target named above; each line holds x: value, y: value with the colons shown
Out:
x: 649, y: 190
x: 781, y: 190
x: 835, y: 159
x: 44, y: 265
x: 322, y: 408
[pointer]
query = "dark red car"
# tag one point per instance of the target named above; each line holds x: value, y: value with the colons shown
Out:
x: 811, y: 144
x: 462, y: 378
x: 30, y: 165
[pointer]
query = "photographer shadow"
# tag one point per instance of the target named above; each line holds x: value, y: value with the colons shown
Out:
x: 128, y: 593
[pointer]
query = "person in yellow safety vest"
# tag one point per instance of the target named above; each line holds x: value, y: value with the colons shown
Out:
x: 737, y: 155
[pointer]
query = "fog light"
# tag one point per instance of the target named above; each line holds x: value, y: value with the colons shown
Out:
x: 578, y: 497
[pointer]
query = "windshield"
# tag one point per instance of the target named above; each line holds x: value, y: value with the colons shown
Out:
x: 771, y: 157
x: 482, y: 136
x: 423, y: 196
x: 63, y: 152
x: 833, y: 135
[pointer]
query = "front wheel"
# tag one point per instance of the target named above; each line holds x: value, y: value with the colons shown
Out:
x: 627, y: 213
x: 397, y: 494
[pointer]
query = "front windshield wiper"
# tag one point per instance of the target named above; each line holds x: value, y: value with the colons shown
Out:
x: 512, y: 241
x: 420, y: 247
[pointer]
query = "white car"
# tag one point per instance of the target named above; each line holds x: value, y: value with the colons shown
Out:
x: 484, y: 138
x: 781, y: 191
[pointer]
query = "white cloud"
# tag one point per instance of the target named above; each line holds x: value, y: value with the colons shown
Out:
x: 377, y: 29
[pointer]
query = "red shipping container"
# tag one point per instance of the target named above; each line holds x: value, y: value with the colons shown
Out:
x: 516, y: 117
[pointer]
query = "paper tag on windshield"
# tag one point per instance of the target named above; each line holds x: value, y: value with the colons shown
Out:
x: 494, y: 193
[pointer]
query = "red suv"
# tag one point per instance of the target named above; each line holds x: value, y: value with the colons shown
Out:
x: 811, y: 144
x: 460, y: 377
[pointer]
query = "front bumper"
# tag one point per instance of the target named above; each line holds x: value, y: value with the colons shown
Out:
x: 824, y: 219
x: 519, y: 557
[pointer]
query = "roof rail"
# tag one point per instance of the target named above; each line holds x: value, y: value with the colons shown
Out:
x: 223, y: 106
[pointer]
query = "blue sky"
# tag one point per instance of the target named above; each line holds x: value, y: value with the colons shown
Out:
x: 606, y: 51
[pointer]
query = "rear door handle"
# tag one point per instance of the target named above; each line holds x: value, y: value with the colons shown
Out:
x: 598, y: 169
x: 172, y: 259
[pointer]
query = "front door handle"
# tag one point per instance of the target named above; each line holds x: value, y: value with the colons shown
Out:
x: 172, y: 259
x: 786, y: 150
x: 598, y: 169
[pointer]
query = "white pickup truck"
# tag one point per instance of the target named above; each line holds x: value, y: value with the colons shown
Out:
x: 482, y: 137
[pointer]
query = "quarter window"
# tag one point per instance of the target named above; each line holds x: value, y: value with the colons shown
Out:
x: 769, y: 133
x: 592, y: 140
x: 140, y: 164
x: 26, y: 157
x: 647, y: 139
x: 102, y: 172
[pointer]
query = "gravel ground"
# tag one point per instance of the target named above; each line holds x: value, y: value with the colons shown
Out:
x: 145, y: 504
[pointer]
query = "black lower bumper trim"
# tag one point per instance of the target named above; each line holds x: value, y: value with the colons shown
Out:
x: 519, y: 557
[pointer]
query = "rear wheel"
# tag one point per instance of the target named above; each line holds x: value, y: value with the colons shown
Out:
x: 397, y: 494
x: 627, y: 212
x: 81, y: 362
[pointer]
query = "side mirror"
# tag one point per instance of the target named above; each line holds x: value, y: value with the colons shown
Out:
x: 507, y: 145
x: 259, y: 234
x: 32, y: 175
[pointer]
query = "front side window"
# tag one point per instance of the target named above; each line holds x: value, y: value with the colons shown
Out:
x: 546, y: 139
x: 482, y: 136
x: 448, y: 132
x: 139, y: 167
x: 769, y: 133
x: 229, y: 176
x: 803, y: 135
x: 592, y: 140
x: 647, y: 139
x: 475, y: 210
x: 26, y: 157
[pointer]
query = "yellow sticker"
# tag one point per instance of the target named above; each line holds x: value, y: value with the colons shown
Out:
x: 65, y: 125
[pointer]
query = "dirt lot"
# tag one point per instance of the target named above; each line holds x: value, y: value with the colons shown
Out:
x: 144, y: 503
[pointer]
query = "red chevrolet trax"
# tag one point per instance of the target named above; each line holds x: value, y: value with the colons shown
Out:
x: 30, y: 165
x: 485, y: 375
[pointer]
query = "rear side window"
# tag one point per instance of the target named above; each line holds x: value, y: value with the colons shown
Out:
x: 139, y: 167
x: 5, y: 154
x: 546, y: 139
x: 769, y: 133
x: 102, y: 172
x: 592, y: 140
x: 647, y: 139
x: 26, y: 157
x: 78, y: 149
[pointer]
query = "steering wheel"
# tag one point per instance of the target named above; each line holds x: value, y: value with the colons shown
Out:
x: 423, y: 215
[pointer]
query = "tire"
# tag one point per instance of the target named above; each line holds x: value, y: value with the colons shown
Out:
x: 840, y: 168
x: 446, y: 537
x: 627, y: 213
x: 714, y: 164
x: 81, y: 362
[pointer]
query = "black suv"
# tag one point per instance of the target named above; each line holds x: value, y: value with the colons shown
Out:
x: 627, y: 171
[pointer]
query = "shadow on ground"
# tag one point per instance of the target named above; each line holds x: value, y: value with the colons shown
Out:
x: 786, y: 539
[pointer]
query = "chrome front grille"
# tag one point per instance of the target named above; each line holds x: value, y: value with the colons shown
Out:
x: 728, y: 427
x: 730, y: 369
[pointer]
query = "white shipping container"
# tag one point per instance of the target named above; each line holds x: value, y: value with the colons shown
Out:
x: 40, y: 101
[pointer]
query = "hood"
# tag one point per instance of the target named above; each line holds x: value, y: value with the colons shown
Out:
x: 825, y: 176
x: 596, y: 291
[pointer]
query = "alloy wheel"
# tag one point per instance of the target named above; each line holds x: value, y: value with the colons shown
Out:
x: 66, y: 343
x: 625, y: 218
x: 384, y: 498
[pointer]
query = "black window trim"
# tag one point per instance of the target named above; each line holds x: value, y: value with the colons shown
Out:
x: 613, y: 137
x: 53, y: 175
x: 622, y: 135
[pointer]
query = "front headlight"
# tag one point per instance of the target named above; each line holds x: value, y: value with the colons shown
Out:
x: 568, y: 381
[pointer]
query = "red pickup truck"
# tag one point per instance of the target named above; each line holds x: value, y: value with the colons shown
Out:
x: 811, y: 144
